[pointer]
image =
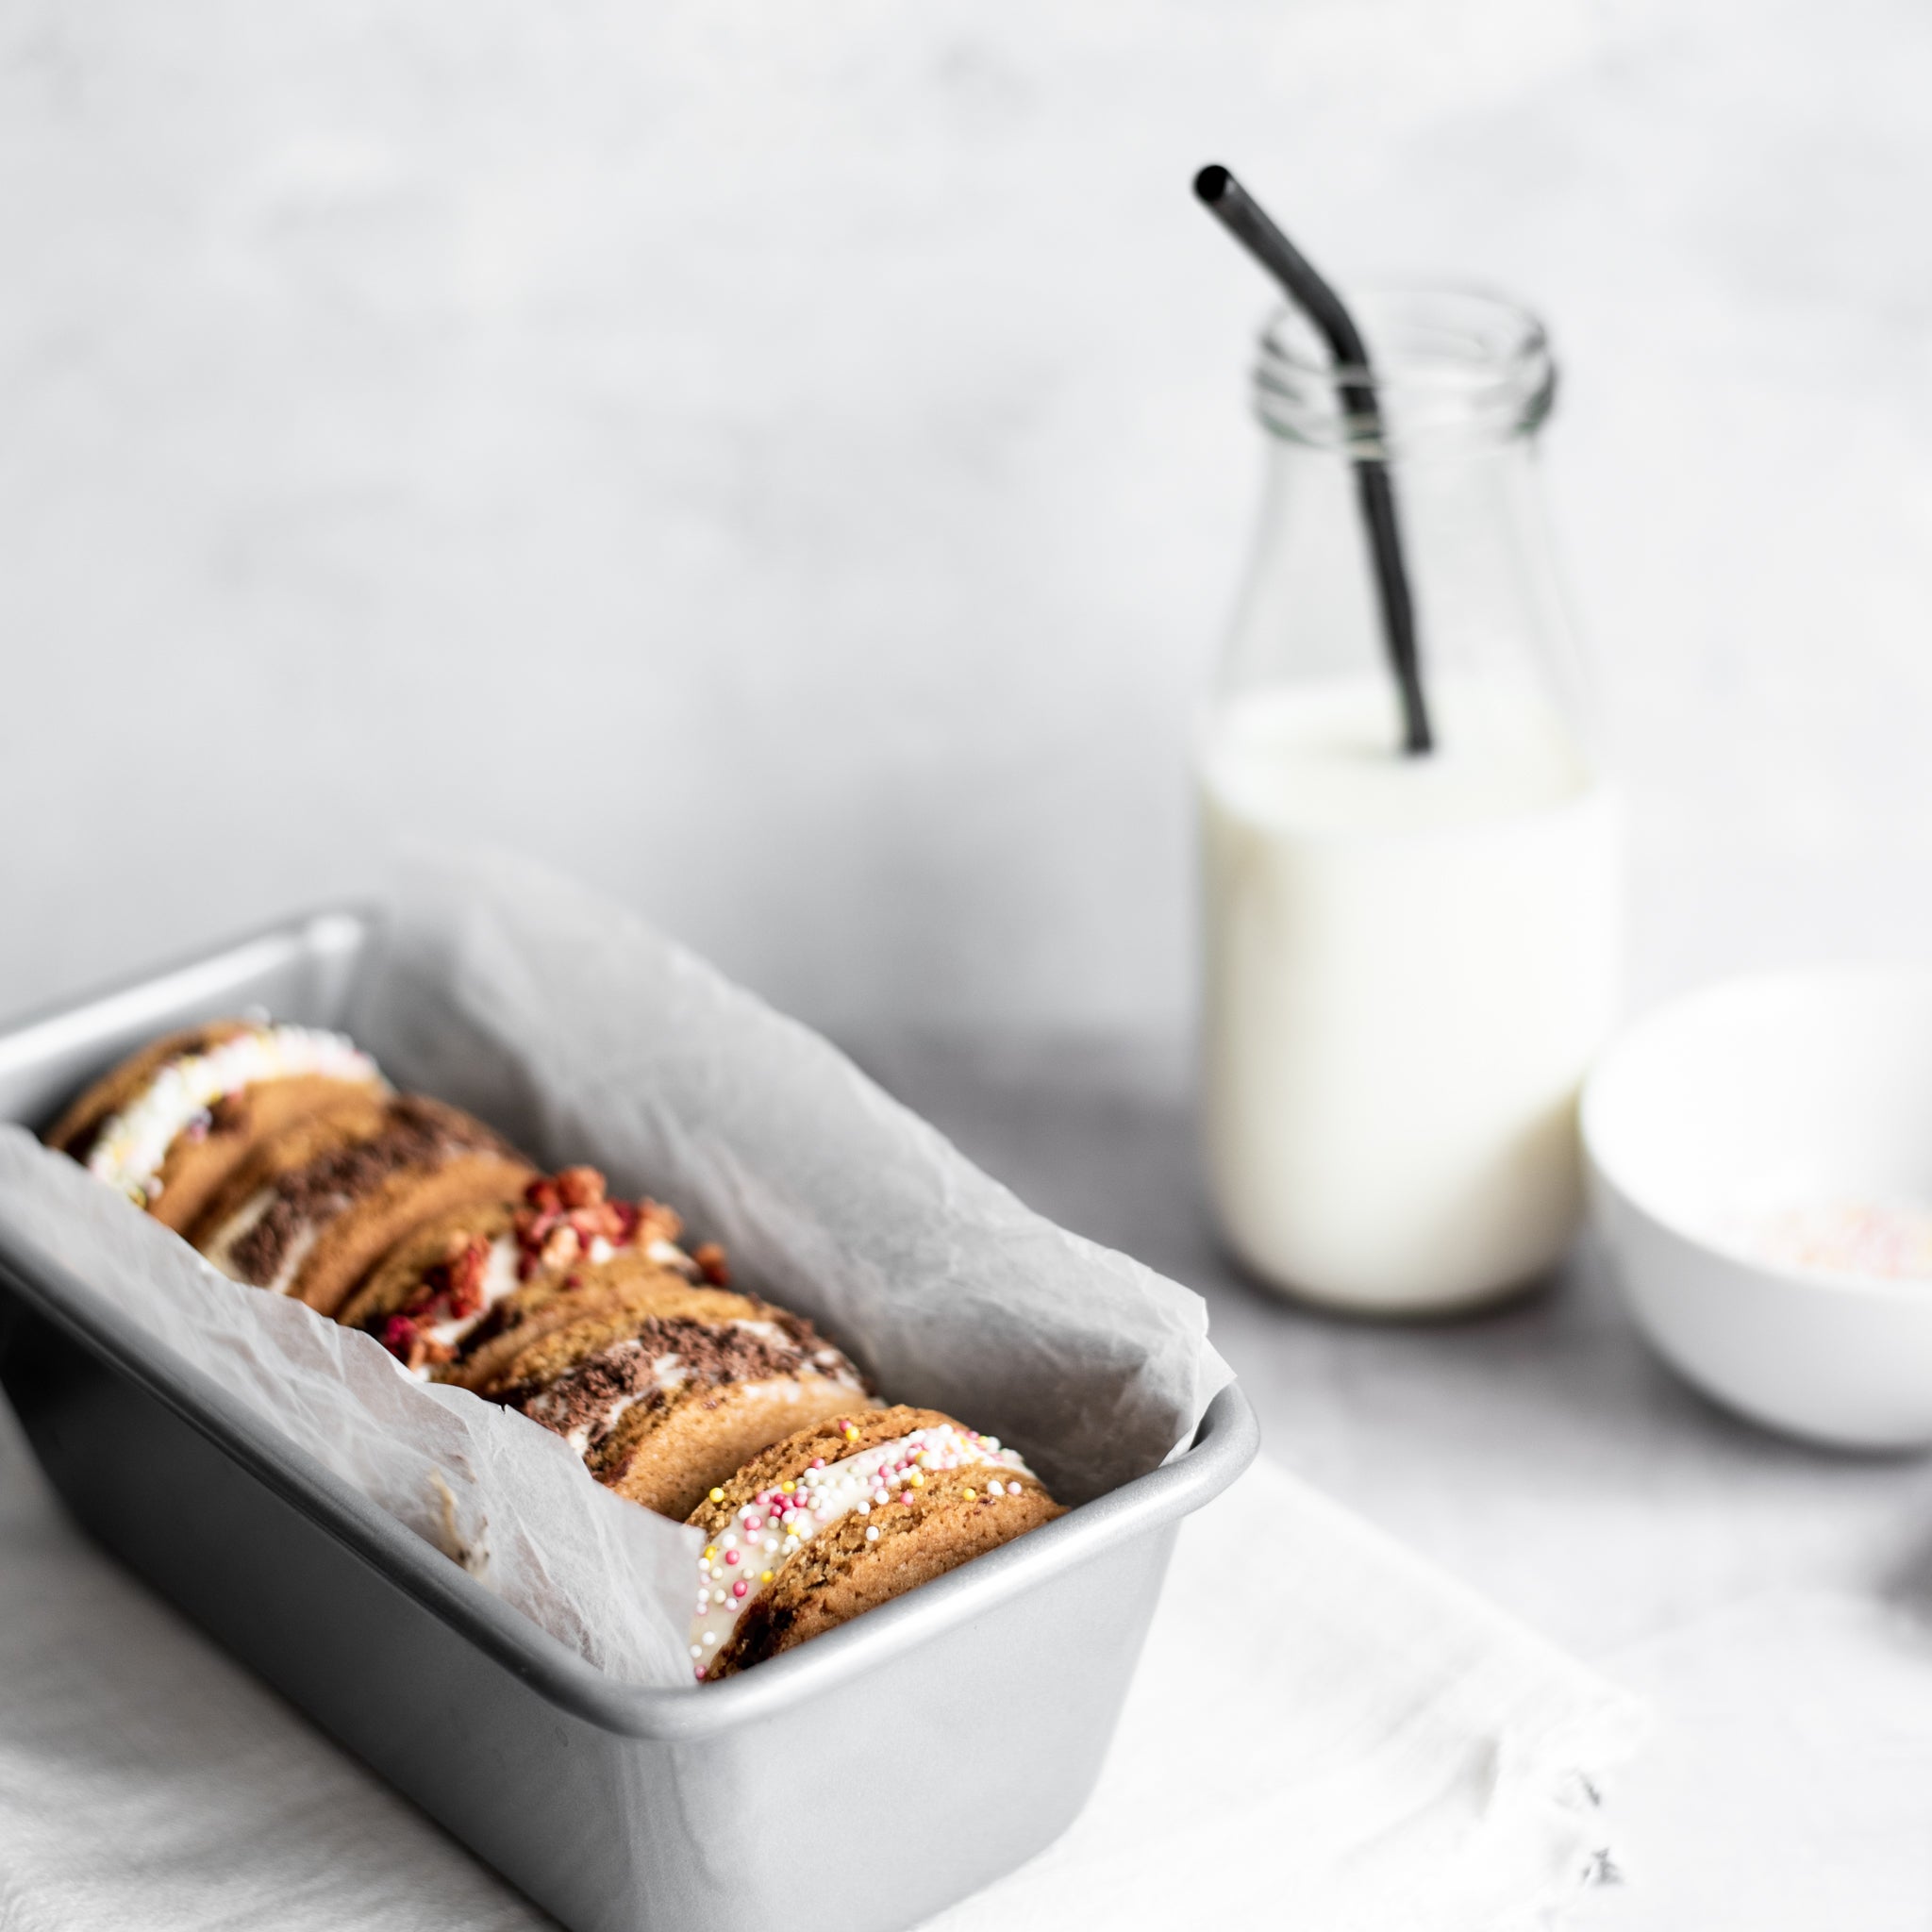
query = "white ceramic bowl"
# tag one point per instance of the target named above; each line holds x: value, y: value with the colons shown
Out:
x: 1789, y: 1092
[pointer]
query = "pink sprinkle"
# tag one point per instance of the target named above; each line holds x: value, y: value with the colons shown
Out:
x: 907, y: 1499
x: 740, y: 1589
x: 753, y: 1522
x: 731, y: 1556
x: 699, y: 1674
x: 818, y: 1462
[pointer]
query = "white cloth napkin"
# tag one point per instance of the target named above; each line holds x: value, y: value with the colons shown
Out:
x: 1334, y: 1737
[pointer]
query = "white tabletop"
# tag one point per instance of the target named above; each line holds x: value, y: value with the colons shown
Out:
x: 1774, y: 1602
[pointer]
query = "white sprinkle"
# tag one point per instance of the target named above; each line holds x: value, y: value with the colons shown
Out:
x: 697, y: 1650
x: 710, y: 1636
x: 872, y: 1536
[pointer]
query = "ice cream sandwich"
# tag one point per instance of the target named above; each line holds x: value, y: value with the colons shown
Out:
x: 484, y: 1280
x: 317, y: 1212
x: 666, y: 1400
x: 169, y: 1125
x: 841, y: 1518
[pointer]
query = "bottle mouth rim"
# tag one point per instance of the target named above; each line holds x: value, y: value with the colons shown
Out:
x: 1444, y: 356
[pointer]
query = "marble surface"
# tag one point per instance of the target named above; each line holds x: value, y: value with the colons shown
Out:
x: 792, y: 463
x: 1774, y: 1602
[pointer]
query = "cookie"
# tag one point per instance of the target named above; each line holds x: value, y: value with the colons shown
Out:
x: 837, y: 1520
x: 315, y: 1228
x: 662, y: 1403
x: 169, y: 1125
x: 470, y: 1278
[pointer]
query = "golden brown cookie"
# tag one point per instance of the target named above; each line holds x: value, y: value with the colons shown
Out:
x: 839, y: 1519
x: 316, y: 1229
x: 669, y: 1457
x: 171, y: 1125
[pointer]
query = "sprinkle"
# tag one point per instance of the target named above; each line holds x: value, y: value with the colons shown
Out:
x: 872, y: 1536
x: 717, y: 1495
x: 710, y: 1636
x: 730, y: 1556
x: 765, y: 1575
x: 996, y: 1488
x: 710, y: 1549
x: 863, y: 1508
x: 754, y: 1523
x: 972, y: 1496
x: 696, y: 1649
x: 818, y: 1462
x: 740, y: 1589
x: 788, y: 1488
x: 699, y: 1674
x: 917, y: 1480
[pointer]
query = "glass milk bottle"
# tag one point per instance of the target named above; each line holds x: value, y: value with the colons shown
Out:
x: 1408, y: 959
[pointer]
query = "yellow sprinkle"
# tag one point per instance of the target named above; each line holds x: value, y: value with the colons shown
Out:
x: 717, y: 1495
x: 764, y: 1576
x: 917, y: 1480
x: 710, y: 1551
x: 789, y: 1487
x: 971, y: 1495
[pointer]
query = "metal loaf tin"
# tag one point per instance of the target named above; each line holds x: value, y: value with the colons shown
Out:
x: 613, y: 1806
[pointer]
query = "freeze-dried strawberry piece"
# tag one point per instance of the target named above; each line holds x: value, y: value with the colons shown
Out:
x: 580, y: 1186
x: 463, y: 1279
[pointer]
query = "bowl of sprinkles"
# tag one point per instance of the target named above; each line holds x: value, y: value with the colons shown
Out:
x: 1760, y: 1157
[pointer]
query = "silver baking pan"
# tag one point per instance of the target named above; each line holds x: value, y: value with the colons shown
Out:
x: 815, y: 1791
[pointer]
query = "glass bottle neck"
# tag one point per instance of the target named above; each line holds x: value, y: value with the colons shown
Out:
x: 1450, y: 372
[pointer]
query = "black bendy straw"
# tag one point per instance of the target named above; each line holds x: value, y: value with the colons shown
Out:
x: 1247, y: 221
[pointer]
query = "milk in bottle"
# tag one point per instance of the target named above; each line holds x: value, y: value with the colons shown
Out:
x: 1408, y: 960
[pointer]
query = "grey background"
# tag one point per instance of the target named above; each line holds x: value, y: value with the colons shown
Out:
x: 791, y: 463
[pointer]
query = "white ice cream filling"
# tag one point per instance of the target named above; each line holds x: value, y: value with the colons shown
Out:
x: 132, y: 1145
